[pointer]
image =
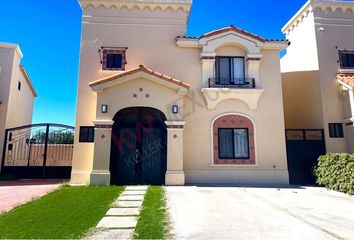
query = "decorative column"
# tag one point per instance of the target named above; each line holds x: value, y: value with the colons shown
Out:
x: 100, y: 174
x: 254, y: 62
x: 175, y: 174
x: 208, y: 66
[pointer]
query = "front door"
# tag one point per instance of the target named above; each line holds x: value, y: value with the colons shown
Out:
x: 139, y: 150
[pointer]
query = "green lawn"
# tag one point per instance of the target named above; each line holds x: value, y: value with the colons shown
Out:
x: 153, y: 222
x: 66, y: 213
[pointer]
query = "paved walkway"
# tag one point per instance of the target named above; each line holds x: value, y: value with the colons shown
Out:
x: 260, y: 213
x: 13, y: 194
x: 120, y: 220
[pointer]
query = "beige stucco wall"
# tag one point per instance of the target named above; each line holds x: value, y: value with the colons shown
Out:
x: 332, y: 28
x: 302, y: 100
x: 23, y: 99
x: 6, y: 65
x: 336, y: 25
x: 121, y: 96
x: 16, y: 107
x: 270, y: 137
x: 301, y: 55
x: 150, y: 38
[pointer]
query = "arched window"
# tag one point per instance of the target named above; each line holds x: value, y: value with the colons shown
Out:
x: 233, y: 140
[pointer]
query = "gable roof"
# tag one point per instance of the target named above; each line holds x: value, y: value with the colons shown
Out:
x: 141, y: 70
x: 346, y: 79
x: 232, y: 28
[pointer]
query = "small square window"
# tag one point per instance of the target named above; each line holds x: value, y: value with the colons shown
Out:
x: 87, y: 134
x: 346, y: 59
x: 336, y: 130
x: 113, y: 59
x: 19, y: 84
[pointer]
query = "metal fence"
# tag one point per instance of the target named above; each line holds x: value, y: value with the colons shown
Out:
x: 38, y: 151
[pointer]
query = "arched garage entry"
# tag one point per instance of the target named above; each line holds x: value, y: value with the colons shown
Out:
x: 139, y: 147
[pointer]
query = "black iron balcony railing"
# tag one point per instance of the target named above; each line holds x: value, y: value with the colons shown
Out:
x: 232, y: 83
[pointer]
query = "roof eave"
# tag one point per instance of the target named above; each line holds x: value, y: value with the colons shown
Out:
x: 28, y: 79
x: 100, y: 85
x: 296, y: 16
x: 13, y: 46
x: 276, y: 45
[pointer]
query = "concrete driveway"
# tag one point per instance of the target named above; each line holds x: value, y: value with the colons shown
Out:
x: 260, y: 213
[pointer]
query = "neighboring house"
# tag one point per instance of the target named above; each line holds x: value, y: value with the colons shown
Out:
x: 318, y: 72
x: 16, y: 91
x: 157, y: 107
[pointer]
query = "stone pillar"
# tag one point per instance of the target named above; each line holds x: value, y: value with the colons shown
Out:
x: 254, y: 62
x: 100, y: 174
x: 175, y: 174
x: 208, y: 66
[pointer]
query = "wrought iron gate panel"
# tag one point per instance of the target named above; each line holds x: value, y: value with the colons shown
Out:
x: 304, y: 146
x: 154, y: 155
x: 38, y: 151
x: 126, y: 160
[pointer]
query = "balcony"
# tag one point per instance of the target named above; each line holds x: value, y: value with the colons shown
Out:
x: 241, y: 89
x: 242, y: 83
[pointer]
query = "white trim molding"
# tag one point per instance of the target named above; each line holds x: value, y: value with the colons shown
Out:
x: 13, y: 46
x: 103, y: 122
x: 102, y: 86
x: 152, y: 5
x: 313, y: 5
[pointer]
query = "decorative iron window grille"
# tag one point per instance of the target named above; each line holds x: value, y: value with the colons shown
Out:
x: 113, y: 59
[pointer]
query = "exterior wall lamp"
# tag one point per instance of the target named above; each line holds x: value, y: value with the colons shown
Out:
x: 104, y: 108
x: 175, y: 109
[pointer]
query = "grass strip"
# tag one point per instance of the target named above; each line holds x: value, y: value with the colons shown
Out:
x: 153, y: 222
x: 67, y: 213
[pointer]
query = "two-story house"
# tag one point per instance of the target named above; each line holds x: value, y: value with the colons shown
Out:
x: 158, y: 107
x: 17, y: 93
x: 318, y: 72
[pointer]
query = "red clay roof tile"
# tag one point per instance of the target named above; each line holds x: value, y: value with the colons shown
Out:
x: 141, y: 68
x: 346, y: 78
x: 235, y: 29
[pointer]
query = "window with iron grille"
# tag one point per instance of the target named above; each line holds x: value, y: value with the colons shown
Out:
x: 113, y: 59
x: 336, y: 130
x: 87, y: 134
x: 233, y: 143
x: 346, y: 59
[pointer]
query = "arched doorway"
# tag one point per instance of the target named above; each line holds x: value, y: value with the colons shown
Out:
x: 139, y: 147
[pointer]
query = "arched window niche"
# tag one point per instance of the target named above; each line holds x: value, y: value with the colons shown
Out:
x: 233, y: 140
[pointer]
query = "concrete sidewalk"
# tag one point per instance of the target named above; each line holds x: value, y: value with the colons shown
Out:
x: 13, y: 194
x: 260, y: 213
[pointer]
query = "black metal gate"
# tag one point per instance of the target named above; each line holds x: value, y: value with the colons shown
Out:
x: 304, y: 146
x: 139, y: 151
x: 38, y: 151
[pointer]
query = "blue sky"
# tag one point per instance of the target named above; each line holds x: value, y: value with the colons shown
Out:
x: 49, y: 36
